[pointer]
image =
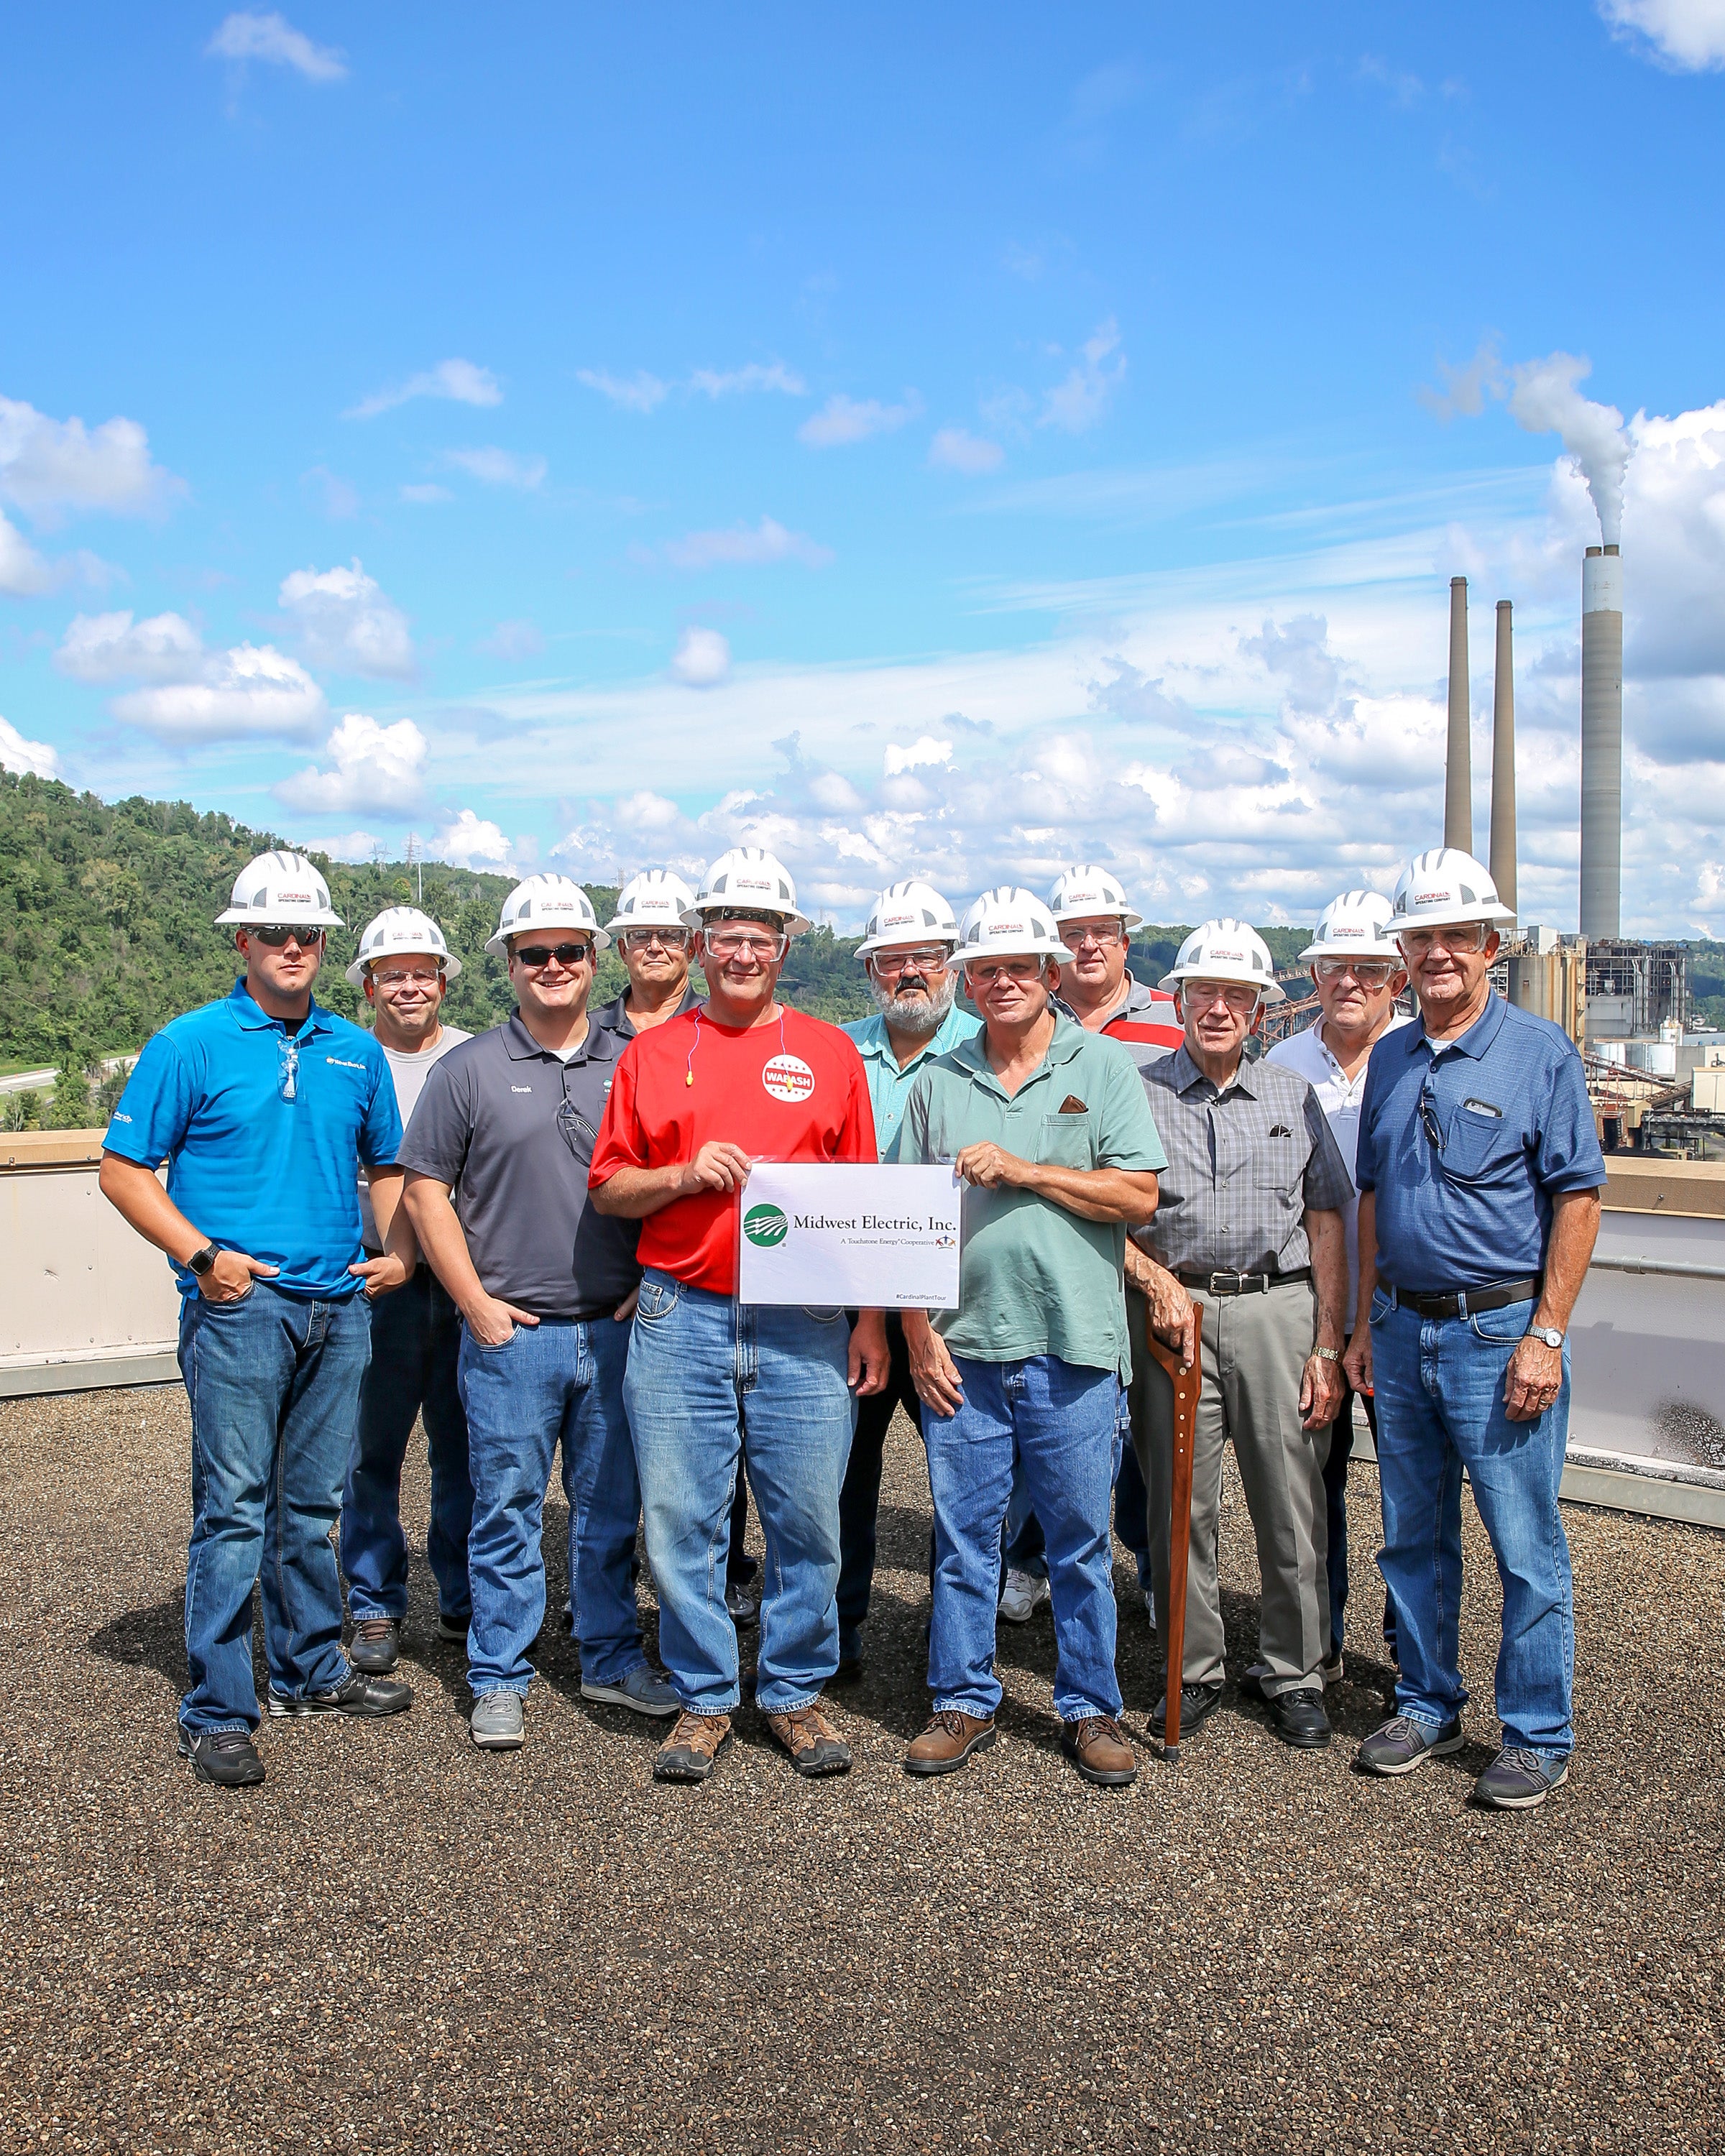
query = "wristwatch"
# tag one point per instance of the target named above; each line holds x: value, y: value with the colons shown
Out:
x: 1327, y: 1354
x: 200, y: 1261
x: 1548, y: 1333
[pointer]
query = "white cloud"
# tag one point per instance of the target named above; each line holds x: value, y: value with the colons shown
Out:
x: 253, y: 691
x: 702, y: 658
x: 494, y: 467
x: 457, y: 381
x: 373, y: 770
x: 472, y: 842
x: 347, y: 622
x: 1686, y: 34
x: 774, y: 375
x: 925, y: 750
x: 424, y: 495
x: 741, y: 547
x: 955, y: 450
x: 348, y: 846
x: 841, y: 420
x: 1075, y: 404
x: 338, y: 498
x: 641, y: 393
x: 112, y: 647
x: 271, y: 38
x: 49, y: 467
x: 17, y: 754
x: 514, y: 640
x: 23, y: 573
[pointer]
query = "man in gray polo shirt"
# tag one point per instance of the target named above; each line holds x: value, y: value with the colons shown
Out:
x: 1251, y: 1222
x: 507, y: 1122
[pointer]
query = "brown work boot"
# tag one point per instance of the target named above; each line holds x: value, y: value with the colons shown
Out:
x: 815, y: 1747
x: 948, y: 1742
x: 687, y: 1754
x: 1098, y: 1748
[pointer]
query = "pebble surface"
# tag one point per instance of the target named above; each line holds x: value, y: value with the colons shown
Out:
x: 400, y: 1943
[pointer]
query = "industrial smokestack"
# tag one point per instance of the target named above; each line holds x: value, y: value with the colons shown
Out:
x: 1502, y: 863
x: 1458, y: 768
x: 1601, y: 743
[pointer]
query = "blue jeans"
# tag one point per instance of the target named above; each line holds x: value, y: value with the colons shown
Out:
x: 1439, y: 1385
x: 557, y: 1383
x: 416, y: 1339
x: 273, y: 1383
x: 1059, y: 1420
x: 702, y: 1372
x: 1024, y: 1548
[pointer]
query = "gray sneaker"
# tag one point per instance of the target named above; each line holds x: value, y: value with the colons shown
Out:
x: 1404, y: 1743
x: 643, y: 1691
x: 1519, y: 1779
x: 1022, y: 1594
x: 498, y: 1723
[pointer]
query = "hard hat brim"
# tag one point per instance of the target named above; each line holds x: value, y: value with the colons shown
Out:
x: 498, y: 945
x: 1011, y: 947
x: 795, y: 923
x: 1122, y: 913
x: 249, y: 917
x: 356, y: 972
x: 1453, y: 916
x: 1269, y: 992
x: 1352, y: 951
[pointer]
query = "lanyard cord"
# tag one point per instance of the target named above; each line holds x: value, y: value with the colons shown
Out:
x: 688, y: 1067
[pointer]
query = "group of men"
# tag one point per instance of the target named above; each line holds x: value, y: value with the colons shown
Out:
x: 1396, y: 1209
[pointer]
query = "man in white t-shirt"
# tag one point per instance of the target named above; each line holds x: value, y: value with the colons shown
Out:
x: 404, y: 968
x: 1357, y: 970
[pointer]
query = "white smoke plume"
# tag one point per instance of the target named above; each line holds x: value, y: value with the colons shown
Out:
x: 1544, y: 399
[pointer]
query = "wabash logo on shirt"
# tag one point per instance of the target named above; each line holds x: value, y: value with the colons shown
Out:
x: 788, y: 1078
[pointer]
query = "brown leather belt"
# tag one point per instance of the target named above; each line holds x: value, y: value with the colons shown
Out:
x: 1232, y: 1283
x: 1469, y: 1300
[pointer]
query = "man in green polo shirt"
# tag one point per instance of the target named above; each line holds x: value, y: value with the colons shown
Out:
x: 1049, y: 1126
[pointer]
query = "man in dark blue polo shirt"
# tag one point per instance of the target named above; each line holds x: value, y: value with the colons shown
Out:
x: 1480, y: 1175
x: 265, y: 1107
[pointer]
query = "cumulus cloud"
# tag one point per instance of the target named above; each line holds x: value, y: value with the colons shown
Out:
x: 774, y: 376
x: 955, y: 450
x: 457, y: 381
x: 741, y: 547
x: 1684, y: 34
x: 641, y: 391
x: 925, y: 750
x: 17, y: 754
x: 702, y: 658
x: 842, y: 420
x: 344, y: 620
x: 347, y: 846
x: 494, y: 467
x: 471, y: 842
x: 113, y: 647
x: 271, y: 38
x: 49, y: 467
x: 23, y: 573
x: 514, y: 640
x: 370, y: 770
x: 1076, y: 403
x: 253, y: 691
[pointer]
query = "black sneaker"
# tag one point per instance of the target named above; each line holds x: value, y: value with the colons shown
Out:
x: 452, y: 1629
x: 1404, y: 1742
x: 850, y: 1658
x: 1518, y: 1779
x: 227, y: 1757
x: 1198, y: 1703
x: 1298, y: 1718
x: 357, y: 1694
x: 376, y: 1645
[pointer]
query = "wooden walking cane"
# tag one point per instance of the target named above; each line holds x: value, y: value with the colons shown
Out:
x: 1186, y: 1381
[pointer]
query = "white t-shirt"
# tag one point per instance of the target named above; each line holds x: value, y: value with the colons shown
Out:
x: 409, y: 1073
x: 1339, y: 1096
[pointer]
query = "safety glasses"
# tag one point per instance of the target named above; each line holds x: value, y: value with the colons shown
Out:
x: 278, y: 934
x: 1466, y: 936
x: 890, y: 964
x: 533, y: 956
x: 732, y: 944
x: 1200, y: 995
x: 644, y: 939
x: 1011, y: 969
x: 1104, y: 934
x: 1369, y: 973
x: 1428, y: 1118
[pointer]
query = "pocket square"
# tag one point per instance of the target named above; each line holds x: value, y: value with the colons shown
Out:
x: 1072, y: 1106
x: 1280, y: 1131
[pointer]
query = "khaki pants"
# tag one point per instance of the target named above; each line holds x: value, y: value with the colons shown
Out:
x: 1253, y: 1349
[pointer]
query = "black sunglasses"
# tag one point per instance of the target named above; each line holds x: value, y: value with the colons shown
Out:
x: 276, y: 933
x: 542, y: 954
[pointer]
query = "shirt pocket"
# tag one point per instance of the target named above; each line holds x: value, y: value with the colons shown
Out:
x: 1480, y: 1148
x: 1065, y: 1142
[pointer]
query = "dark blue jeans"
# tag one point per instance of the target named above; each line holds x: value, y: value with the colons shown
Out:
x: 1026, y: 1546
x: 416, y: 1340
x: 273, y: 1381
x: 860, y: 1499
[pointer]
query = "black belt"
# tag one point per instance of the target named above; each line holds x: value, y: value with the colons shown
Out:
x: 1498, y: 1297
x: 1232, y: 1283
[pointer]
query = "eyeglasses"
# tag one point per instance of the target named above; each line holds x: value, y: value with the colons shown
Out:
x: 1104, y: 937
x: 277, y: 934
x: 1468, y: 936
x: 578, y: 1134
x: 1427, y: 1116
x: 1013, y: 970
x: 1203, y: 995
x: 396, y: 978
x: 644, y: 939
x: 890, y: 964
x: 1370, y: 973
x: 536, y: 955
x: 731, y: 943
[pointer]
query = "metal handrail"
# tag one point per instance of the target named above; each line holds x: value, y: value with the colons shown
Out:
x: 1674, y: 1268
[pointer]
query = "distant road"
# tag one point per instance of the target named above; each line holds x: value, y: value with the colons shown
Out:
x: 39, y: 1081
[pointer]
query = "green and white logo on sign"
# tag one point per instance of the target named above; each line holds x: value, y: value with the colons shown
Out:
x: 765, y: 1226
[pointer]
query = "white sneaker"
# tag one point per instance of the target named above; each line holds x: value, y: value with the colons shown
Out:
x: 1149, y: 1605
x: 1024, y: 1593
x: 643, y: 1691
x: 497, y: 1723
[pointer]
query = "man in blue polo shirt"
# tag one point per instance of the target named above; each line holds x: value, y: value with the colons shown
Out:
x: 265, y: 1107
x: 1480, y: 1173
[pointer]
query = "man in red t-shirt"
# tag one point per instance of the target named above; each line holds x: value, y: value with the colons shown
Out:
x: 695, y: 1102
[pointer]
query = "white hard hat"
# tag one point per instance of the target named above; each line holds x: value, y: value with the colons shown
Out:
x: 550, y: 902
x: 399, y: 929
x: 1354, y: 925
x: 1007, y: 922
x: 1083, y: 892
x: 654, y: 899
x: 1443, y: 888
x: 283, y: 887
x: 1226, y: 951
x: 752, y: 880
x: 907, y: 913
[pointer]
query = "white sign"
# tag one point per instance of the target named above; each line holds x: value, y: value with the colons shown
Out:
x: 829, y: 1235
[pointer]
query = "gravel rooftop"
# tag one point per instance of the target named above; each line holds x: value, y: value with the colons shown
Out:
x: 400, y: 1943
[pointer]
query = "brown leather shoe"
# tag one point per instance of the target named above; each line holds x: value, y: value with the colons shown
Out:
x: 1098, y: 1748
x: 948, y: 1742
x: 687, y: 1754
x: 815, y: 1747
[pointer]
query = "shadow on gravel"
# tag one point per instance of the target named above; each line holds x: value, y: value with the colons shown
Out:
x: 153, y: 1639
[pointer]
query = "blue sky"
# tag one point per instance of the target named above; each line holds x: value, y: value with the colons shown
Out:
x: 949, y: 446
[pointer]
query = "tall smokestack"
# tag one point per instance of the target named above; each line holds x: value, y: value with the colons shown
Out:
x: 1601, y: 743
x: 1458, y: 769
x: 1502, y: 863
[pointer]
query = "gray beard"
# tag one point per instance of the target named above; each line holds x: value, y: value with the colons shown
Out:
x: 912, y: 1014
